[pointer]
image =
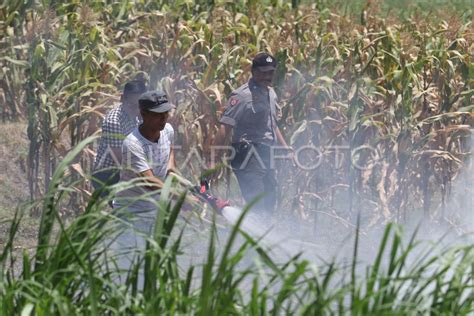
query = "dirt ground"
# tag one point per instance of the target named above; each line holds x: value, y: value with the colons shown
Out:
x: 14, y: 185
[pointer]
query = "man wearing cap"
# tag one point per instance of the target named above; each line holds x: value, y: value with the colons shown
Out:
x: 116, y: 125
x: 147, y: 157
x: 250, y: 116
x: 147, y: 153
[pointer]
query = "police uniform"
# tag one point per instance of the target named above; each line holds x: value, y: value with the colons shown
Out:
x: 251, y: 111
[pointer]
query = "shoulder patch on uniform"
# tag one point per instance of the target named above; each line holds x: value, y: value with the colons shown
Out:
x: 234, y: 101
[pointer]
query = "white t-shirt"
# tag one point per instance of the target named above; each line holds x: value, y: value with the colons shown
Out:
x: 138, y: 155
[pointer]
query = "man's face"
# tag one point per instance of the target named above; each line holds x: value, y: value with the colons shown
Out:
x: 263, y: 78
x: 157, y: 120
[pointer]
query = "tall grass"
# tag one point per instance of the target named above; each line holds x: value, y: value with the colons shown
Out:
x: 73, y: 273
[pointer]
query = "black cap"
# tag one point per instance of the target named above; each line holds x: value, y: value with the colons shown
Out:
x: 155, y: 101
x: 264, y: 62
x: 134, y: 87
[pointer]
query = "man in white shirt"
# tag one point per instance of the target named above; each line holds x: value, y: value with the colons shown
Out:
x: 147, y: 158
x: 147, y: 153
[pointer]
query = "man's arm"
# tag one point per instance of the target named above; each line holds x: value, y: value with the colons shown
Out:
x: 172, y: 162
x: 135, y: 160
x: 153, y: 182
x: 222, y: 139
x: 282, y: 141
x: 280, y: 138
x: 223, y: 135
x: 231, y: 116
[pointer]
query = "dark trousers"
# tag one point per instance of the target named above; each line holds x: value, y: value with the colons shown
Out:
x: 104, y: 178
x: 251, y: 165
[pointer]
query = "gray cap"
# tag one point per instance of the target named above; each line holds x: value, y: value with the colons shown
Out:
x: 155, y: 101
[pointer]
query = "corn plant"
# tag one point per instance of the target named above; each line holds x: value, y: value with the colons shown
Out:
x: 401, y: 87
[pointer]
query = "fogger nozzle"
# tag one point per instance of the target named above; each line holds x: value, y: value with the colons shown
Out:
x: 203, y: 192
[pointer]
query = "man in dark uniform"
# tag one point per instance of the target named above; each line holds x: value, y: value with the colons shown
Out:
x: 251, y: 116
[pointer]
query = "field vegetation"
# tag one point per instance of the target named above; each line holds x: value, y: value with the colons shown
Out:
x: 390, y: 83
x: 74, y: 274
